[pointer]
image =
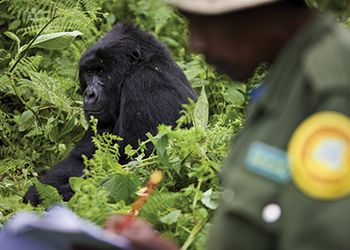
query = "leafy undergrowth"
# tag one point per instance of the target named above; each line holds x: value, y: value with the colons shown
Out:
x: 185, y: 199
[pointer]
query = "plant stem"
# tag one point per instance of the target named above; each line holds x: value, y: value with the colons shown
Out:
x: 194, y: 203
x: 20, y: 57
x: 196, y: 229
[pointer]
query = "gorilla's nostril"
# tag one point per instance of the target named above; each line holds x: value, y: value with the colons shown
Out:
x: 90, y: 95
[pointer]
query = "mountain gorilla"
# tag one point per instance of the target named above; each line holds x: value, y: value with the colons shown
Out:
x: 131, y: 85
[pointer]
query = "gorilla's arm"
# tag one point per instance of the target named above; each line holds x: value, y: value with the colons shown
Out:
x: 59, y: 175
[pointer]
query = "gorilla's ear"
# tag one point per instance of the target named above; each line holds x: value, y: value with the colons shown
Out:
x: 135, y: 56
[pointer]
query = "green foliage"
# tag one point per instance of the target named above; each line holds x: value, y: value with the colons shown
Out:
x: 91, y: 201
x: 201, y: 111
x: 40, y: 107
x: 340, y: 7
x: 57, y: 40
x: 41, y: 117
x: 47, y: 193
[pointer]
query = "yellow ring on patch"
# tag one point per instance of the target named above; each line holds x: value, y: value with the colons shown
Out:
x: 319, y: 156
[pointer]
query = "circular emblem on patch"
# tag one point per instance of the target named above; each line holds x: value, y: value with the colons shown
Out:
x: 319, y: 155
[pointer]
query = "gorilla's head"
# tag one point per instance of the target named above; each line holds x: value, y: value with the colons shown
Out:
x: 105, y: 66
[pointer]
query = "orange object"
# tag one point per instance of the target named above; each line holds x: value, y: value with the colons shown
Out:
x: 143, y: 196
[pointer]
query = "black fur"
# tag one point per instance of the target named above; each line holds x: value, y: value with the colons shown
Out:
x: 131, y: 85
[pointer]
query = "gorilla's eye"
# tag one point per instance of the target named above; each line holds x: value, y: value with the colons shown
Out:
x: 101, y: 73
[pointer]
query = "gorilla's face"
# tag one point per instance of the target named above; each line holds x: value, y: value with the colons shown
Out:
x: 101, y: 76
x: 103, y: 69
x: 100, y: 88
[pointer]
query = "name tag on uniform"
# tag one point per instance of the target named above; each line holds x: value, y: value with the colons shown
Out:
x: 268, y: 161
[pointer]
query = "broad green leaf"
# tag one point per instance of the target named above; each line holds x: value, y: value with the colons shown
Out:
x: 176, y: 165
x: 25, y: 121
x: 234, y: 95
x: 171, y: 217
x: 15, y: 24
x: 202, y: 214
x: 75, y: 183
x: 13, y: 37
x: 123, y: 187
x: 210, y: 199
x: 160, y: 143
x: 58, y: 40
x: 201, y: 110
x: 194, y: 69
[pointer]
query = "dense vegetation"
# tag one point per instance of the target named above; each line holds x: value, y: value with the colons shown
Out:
x: 41, y: 116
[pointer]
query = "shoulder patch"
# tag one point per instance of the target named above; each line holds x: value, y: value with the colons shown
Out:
x: 268, y: 161
x: 319, y: 156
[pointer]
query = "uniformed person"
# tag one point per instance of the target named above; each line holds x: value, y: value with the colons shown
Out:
x: 287, y: 180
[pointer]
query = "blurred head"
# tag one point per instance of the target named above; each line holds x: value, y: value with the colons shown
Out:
x: 237, y: 36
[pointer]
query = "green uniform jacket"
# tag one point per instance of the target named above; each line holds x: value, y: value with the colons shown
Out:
x: 264, y: 205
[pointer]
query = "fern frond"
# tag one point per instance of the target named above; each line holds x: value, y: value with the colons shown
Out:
x: 84, y: 5
x: 48, y: 194
x: 5, y: 127
x: 4, y: 56
x: 159, y: 202
x: 29, y: 10
x: 106, y: 156
x: 73, y: 15
x: 48, y: 89
x: 27, y: 66
x: 9, y: 165
x: 5, y: 83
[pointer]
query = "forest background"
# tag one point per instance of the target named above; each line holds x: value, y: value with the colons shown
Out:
x: 41, y: 116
